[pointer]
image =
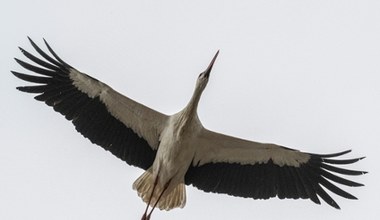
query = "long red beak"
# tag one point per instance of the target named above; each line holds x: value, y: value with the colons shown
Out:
x: 208, y: 70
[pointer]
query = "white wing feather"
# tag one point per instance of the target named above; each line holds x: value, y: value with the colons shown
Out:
x: 146, y: 122
x: 214, y: 147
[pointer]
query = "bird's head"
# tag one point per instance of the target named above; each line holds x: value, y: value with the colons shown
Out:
x: 204, y: 76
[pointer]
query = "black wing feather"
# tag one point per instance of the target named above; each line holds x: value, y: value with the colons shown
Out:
x: 89, y: 115
x: 266, y: 180
x: 47, y: 57
x: 38, y: 60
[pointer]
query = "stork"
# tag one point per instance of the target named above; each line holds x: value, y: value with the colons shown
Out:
x: 176, y: 150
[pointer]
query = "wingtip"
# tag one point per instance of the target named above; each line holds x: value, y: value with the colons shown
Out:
x: 14, y: 72
x: 20, y: 88
x: 17, y: 59
x: 46, y: 43
x: 20, y: 62
x: 333, y: 154
x: 347, y: 151
x: 352, y: 197
x: 21, y: 49
x: 30, y: 40
x: 334, y: 204
x: 17, y: 74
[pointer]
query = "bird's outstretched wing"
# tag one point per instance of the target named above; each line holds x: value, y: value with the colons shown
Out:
x: 126, y: 128
x: 224, y: 164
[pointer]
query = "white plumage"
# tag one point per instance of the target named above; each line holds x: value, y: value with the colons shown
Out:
x: 177, y: 150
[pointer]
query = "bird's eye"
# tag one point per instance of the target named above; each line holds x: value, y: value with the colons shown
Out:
x: 201, y: 75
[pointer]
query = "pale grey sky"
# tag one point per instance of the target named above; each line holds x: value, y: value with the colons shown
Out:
x: 304, y: 74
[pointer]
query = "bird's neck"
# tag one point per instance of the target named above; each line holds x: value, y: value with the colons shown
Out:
x: 192, y: 106
x: 189, y: 113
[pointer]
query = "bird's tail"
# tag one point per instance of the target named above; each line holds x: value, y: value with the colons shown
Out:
x: 169, y: 200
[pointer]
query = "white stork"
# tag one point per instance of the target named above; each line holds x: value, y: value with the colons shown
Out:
x: 176, y: 150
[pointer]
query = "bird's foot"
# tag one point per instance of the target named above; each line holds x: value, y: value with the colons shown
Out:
x: 145, y: 217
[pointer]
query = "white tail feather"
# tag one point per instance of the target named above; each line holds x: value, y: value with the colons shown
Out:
x: 169, y: 200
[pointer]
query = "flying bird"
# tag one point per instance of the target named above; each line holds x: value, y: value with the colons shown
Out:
x: 176, y: 150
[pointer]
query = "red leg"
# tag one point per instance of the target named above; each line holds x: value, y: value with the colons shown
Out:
x: 155, y: 204
x: 144, y: 217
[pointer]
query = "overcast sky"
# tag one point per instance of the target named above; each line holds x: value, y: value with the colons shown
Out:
x: 304, y: 74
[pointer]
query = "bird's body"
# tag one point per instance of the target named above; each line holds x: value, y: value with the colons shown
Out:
x: 177, y: 150
x: 178, y: 145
